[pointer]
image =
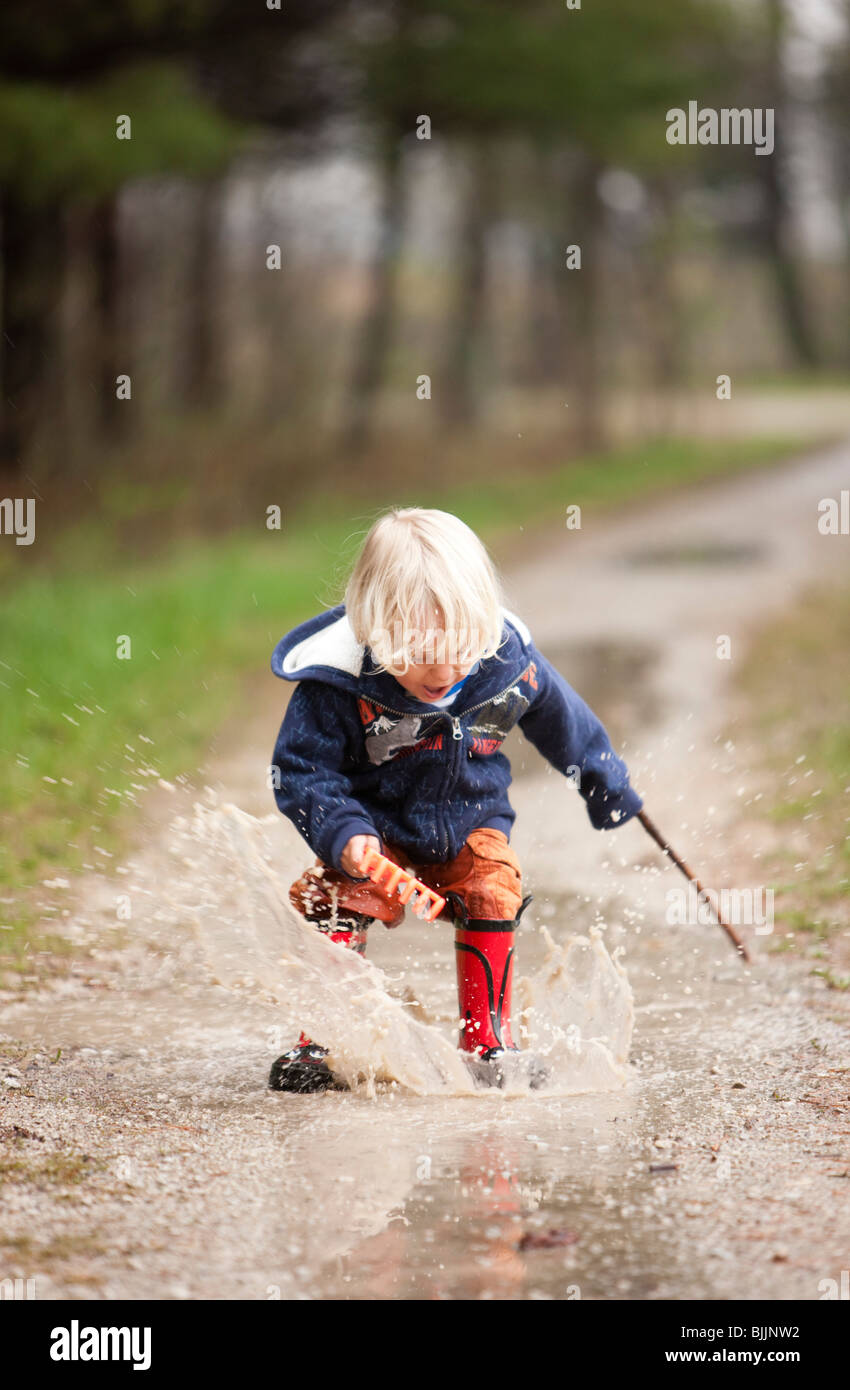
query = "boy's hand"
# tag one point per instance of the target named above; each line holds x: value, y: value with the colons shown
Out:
x: 354, y: 851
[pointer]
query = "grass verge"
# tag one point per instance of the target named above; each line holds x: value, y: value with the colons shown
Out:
x: 796, y: 682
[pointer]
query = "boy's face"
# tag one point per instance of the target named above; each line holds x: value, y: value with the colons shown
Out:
x: 430, y: 683
x: 439, y: 669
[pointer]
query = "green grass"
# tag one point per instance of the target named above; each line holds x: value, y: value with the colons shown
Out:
x: 833, y: 981
x: 799, y: 381
x: 52, y: 1170
x: 797, y: 679
x: 84, y: 733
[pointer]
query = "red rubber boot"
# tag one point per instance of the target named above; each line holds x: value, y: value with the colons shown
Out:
x: 303, y: 1068
x: 485, y: 959
x: 484, y: 950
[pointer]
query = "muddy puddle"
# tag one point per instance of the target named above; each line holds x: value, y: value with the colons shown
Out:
x: 703, y: 554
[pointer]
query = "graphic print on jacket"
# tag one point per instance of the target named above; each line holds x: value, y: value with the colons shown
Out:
x: 394, y: 735
x: 494, y: 722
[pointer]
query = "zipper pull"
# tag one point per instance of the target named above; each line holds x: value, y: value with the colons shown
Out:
x: 457, y: 731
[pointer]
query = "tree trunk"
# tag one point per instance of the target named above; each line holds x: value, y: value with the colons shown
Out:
x: 32, y: 261
x: 376, y: 330
x: 202, y: 377
x: 540, y: 356
x: 456, y: 390
x: 113, y: 416
x: 786, y: 272
x: 663, y: 316
x: 585, y: 223
x: 777, y: 228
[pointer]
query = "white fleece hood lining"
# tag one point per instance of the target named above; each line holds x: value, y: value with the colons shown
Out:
x: 331, y: 646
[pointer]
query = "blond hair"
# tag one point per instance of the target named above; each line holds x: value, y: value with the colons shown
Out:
x: 424, y: 586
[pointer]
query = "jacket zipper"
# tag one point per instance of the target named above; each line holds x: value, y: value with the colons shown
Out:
x: 457, y: 730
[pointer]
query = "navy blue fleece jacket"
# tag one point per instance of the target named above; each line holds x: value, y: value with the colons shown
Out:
x: 357, y: 755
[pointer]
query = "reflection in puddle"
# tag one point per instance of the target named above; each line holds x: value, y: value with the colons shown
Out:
x: 706, y: 553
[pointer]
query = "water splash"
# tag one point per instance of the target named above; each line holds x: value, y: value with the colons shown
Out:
x: 577, y: 1013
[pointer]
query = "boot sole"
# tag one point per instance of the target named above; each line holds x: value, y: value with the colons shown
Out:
x: 304, y: 1078
x: 522, y: 1067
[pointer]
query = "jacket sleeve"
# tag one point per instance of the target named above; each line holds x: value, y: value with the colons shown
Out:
x: 310, y: 787
x: 569, y: 735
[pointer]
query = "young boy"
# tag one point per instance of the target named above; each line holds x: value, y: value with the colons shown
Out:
x: 392, y: 740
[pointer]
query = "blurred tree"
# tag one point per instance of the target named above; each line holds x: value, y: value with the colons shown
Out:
x: 375, y: 331
x: 778, y: 211
x: 58, y: 147
x: 201, y: 362
x: 190, y: 74
x: 105, y: 249
x: 835, y: 113
x: 464, y: 331
x: 598, y: 81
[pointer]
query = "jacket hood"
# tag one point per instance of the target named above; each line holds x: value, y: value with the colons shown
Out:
x: 325, y: 649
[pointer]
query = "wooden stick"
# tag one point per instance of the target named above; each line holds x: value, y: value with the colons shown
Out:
x: 740, y: 946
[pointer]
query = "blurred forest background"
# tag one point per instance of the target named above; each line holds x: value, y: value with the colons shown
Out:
x: 254, y: 126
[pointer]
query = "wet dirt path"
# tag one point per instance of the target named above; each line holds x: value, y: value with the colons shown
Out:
x: 151, y: 1162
